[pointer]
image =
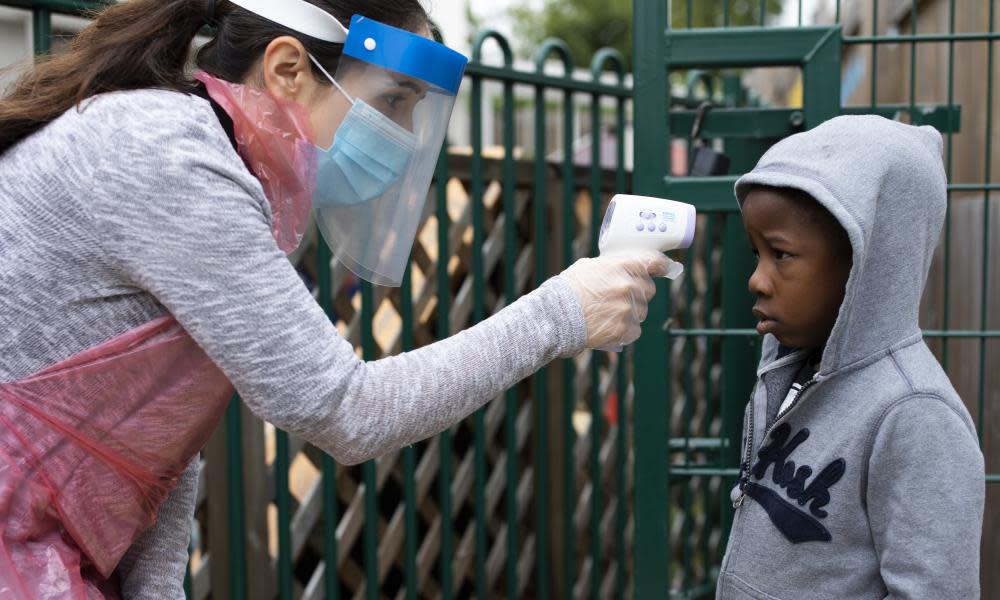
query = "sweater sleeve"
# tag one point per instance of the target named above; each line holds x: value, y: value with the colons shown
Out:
x: 183, y: 220
x: 153, y: 568
x: 925, y: 495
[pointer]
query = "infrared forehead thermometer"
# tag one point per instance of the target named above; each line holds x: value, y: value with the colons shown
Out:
x: 646, y: 223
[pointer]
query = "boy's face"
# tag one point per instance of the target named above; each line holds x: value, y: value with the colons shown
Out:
x: 800, y: 276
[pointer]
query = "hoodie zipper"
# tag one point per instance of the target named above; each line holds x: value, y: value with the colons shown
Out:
x: 748, y: 453
x: 745, y: 465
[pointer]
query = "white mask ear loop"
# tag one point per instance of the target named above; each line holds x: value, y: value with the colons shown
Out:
x: 332, y: 80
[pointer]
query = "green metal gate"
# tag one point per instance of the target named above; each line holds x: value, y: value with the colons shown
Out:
x: 688, y: 423
x: 518, y: 501
x: 505, y: 498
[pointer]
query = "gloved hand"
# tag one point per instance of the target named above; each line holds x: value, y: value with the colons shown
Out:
x: 614, y: 291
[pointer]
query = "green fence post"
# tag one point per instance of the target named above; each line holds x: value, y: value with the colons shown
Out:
x: 283, y: 500
x: 601, y: 60
x: 368, y: 469
x: 985, y: 272
x: 651, y: 390
x: 542, y: 482
x: 739, y: 372
x: 409, y: 453
x: 234, y: 480
x: 540, y: 437
x: 443, y: 330
x: 567, y: 392
x: 707, y: 559
x: 621, y: 387
x: 41, y: 26
x: 946, y: 300
x: 478, y: 313
x: 821, y: 79
x: 510, y: 292
x: 874, y: 48
x: 331, y: 581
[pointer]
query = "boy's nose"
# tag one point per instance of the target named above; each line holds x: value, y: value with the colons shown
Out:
x: 758, y: 283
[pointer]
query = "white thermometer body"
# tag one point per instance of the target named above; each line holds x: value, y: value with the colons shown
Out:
x: 643, y: 222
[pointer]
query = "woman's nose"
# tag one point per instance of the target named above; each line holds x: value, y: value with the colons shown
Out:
x: 405, y: 121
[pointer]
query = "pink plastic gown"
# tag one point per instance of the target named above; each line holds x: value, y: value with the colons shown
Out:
x: 91, y: 446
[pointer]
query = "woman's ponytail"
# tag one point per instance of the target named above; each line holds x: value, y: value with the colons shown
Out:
x: 145, y: 44
x: 130, y: 45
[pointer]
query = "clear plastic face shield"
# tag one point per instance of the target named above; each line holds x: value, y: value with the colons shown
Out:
x: 372, y: 182
x: 397, y: 89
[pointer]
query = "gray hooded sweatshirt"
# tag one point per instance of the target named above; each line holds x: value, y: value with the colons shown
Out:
x: 871, y: 484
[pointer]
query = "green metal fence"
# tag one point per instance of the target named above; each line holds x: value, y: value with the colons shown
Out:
x: 522, y: 501
x: 547, y: 503
x: 688, y: 424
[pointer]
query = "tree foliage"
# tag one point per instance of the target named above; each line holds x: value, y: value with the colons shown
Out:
x: 588, y: 25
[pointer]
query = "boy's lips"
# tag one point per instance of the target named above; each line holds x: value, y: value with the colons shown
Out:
x: 766, y: 323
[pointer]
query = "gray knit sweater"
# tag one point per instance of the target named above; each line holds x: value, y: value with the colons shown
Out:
x: 138, y: 205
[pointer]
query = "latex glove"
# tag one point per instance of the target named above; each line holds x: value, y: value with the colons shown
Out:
x: 614, y: 291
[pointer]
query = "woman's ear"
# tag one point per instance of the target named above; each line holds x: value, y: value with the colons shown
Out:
x: 286, y: 70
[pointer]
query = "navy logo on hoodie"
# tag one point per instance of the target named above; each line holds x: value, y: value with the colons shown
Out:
x: 796, y: 525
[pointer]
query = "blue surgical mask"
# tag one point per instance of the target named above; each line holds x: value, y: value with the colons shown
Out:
x: 369, y: 154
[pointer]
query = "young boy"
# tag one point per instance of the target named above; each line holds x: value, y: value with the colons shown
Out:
x: 861, y: 476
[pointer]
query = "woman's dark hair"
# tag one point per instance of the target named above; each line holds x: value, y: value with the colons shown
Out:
x: 145, y: 44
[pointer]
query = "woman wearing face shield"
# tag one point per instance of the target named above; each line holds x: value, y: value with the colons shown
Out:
x: 145, y: 217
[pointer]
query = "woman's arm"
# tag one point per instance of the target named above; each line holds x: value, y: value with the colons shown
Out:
x: 190, y: 225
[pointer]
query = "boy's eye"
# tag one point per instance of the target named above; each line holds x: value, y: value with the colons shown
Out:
x: 780, y: 254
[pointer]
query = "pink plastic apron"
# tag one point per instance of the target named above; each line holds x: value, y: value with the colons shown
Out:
x: 90, y: 447
x: 274, y: 137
